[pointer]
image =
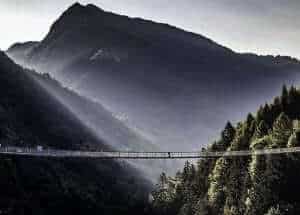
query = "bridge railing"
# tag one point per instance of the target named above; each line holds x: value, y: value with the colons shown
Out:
x: 26, y: 151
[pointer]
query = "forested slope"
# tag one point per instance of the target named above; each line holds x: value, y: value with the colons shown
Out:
x: 247, y: 185
x: 30, y: 116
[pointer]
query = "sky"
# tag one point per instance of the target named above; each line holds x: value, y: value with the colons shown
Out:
x: 259, y: 26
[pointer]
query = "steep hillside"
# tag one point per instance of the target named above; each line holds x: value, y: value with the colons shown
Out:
x: 256, y: 185
x: 30, y: 116
x: 103, y: 123
x: 158, y: 78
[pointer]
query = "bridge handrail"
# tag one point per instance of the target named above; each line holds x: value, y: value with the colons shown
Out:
x: 14, y: 150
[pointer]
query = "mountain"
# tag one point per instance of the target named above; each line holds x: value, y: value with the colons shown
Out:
x: 175, y: 88
x: 31, y: 116
x: 258, y: 184
x: 107, y: 126
x: 21, y: 50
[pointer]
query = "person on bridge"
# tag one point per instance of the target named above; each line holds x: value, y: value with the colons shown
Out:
x: 169, y: 154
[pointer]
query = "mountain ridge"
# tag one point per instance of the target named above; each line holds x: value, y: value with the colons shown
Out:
x: 160, y: 77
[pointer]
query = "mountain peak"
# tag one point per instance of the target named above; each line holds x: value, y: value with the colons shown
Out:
x: 76, y: 4
x: 75, y: 7
x: 79, y: 8
x: 92, y: 6
x: 76, y: 15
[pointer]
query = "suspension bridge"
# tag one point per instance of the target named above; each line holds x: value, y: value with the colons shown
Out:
x: 41, y: 152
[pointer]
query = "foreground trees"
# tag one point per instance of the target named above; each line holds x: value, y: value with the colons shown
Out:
x: 247, y: 185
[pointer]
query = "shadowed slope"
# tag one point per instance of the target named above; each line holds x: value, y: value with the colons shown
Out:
x: 29, y: 116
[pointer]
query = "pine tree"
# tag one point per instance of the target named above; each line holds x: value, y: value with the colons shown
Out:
x: 275, y: 109
x: 293, y: 140
x: 258, y: 193
x: 284, y: 97
x: 192, y: 173
x: 163, y: 196
x: 236, y: 187
x: 218, y: 178
x: 249, y: 119
x: 204, y: 168
x: 186, y: 172
x: 202, y: 207
x: 261, y: 130
x: 163, y: 180
x: 264, y: 113
x: 248, y: 129
x: 266, y: 173
x: 274, y: 211
x: 244, y: 133
x: 227, y: 135
x: 282, y: 130
x: 293, y: 108
x: 186, y: 209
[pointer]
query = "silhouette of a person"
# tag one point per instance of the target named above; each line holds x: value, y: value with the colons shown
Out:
x: 169, y: 154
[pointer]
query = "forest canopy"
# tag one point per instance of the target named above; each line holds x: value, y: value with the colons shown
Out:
x: 254, y: 185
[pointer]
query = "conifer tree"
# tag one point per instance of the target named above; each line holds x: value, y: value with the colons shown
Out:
x: 282, y: 129
x: 261, y: 130
x: 275, y: 109
x: 236, y: 187
x: 204, y: 167
x: 218, y: 178
x: 293, y: 109
x: 274, y: 211
x: 163, y: 180
x: 227, y: 135
x: 284, y: 97
x: 186, y: 171
x: 258, y: 193
x: 202, y: 207
x: 265, y: 113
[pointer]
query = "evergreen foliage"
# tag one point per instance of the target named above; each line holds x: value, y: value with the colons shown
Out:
x: 255, y: 185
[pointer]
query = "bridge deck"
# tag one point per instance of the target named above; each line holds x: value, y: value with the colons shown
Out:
x: 36, y: 152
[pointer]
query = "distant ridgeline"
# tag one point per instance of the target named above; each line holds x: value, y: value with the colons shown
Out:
x: 254, y: 185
